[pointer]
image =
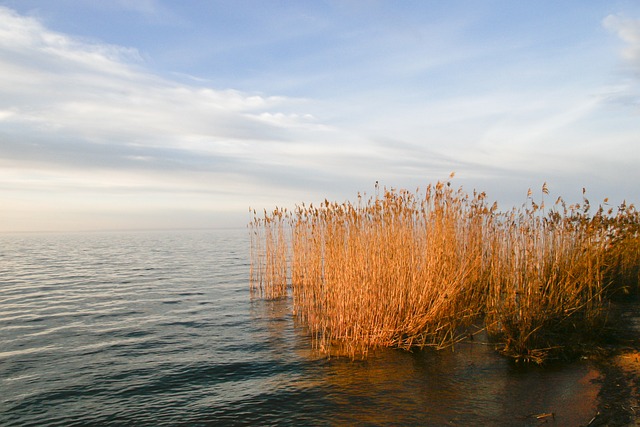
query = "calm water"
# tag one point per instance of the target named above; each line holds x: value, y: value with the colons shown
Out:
x: 160, y: 329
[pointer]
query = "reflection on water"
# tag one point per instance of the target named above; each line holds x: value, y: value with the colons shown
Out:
x: 469, y: 386
x: 160, y: 329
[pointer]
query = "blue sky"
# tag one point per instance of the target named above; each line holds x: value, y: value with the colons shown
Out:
x: 167, y: 114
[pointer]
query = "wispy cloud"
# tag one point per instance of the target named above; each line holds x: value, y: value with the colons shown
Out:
x: 626, y: 93
x: 628, y: 30
x: 73, y: 111
x: 76, y: 104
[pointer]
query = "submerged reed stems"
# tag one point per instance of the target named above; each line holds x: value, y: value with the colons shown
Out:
x: 413, y: 269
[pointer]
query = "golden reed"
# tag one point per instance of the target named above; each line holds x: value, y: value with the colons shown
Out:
x: 414, y: 269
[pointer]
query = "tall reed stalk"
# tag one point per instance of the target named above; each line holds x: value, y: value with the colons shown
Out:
x: 413, y: 269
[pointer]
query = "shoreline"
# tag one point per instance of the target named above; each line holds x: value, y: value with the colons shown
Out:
x: 618, y: 402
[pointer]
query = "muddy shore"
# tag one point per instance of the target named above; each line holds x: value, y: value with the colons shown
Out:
x: 618, y: 361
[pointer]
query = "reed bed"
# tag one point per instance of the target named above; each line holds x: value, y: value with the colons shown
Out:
x: 545, y: 280
x: 413, y: 269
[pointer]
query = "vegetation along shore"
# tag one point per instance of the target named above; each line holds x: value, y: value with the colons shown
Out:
x: 430, y: 268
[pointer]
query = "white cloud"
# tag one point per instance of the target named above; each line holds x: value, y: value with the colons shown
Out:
x: 628, y: 30
x: 55, y: 88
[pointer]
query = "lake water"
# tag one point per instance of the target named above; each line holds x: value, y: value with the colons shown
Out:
x: 159, y: 328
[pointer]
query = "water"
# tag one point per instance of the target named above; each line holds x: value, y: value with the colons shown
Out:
x: 160, y: 329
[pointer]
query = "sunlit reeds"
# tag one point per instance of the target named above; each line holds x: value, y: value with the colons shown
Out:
x: 545, y: 281
x: 413, y: 269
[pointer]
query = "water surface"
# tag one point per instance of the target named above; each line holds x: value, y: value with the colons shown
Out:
x: 159, y: 328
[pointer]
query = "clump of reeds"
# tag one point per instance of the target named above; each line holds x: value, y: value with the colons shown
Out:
x: 545, y: 279
x: 413, y: 269
x: 394, y: 270
x: 269, y: 251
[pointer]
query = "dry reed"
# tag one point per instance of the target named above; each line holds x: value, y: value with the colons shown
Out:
x: 413, y: 269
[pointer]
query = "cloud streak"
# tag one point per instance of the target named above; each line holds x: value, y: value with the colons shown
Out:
x: 80, y: 104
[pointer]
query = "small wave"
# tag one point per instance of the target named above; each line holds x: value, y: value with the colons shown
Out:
x: 28, y: 350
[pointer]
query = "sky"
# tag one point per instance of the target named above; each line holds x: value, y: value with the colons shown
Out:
x: 158, y: 114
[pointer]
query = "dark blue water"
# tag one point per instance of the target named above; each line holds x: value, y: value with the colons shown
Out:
x: 160, y: 329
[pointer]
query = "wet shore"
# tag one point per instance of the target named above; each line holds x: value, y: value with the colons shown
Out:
x: 619, y: 364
